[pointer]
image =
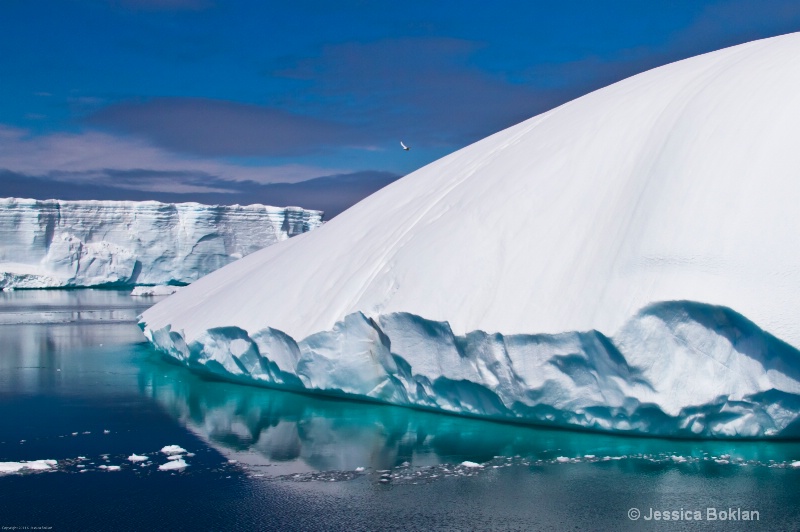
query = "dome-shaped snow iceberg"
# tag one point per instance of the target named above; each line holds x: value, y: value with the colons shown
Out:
x: 656, y: 215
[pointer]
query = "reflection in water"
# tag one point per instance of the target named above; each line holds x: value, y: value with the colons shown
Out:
x: 48, y: 346
x: 58, y: 338
x: 125, y: 387
x: 293, y: 433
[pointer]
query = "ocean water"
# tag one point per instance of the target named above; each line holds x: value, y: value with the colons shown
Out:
x: 79, y: 385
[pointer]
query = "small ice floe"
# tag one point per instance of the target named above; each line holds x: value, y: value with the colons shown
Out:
x: 150, y: 291
x: 87, y: 432
x: 175, y: 457
x: 113, y: 468
x: 233, y: 461
x: 23, y: 467
x: 360, y: 469
x: 173, y: 449
x: 796, y: 463
x: 562, y: 459
x: 589, y: 456
x: 137, y: 458
x: 106, y: 432
x: 678, y: 459
x: 173, y: 465
x: 467, y: 463
x: 74, y: 433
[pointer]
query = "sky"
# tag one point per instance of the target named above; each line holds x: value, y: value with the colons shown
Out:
x: 306, y: 102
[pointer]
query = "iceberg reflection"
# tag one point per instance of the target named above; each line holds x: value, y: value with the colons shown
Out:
x: 284, y: 432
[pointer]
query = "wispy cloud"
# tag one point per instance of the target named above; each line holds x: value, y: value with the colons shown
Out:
x: 223, y: 128
x: 100, y: 157
x: 96, y: 165
x: 331, y: 194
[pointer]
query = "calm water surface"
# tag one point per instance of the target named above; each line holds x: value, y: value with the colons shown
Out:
x: 79, y: 385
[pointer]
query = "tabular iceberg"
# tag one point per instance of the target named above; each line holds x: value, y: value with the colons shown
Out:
x: 52, y: 243
x: 627, y: 262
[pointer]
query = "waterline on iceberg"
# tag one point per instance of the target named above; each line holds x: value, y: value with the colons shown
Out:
x: 675, y: 369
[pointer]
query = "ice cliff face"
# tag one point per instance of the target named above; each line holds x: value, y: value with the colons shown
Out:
x: 627, y: 261
x: 89, y: 243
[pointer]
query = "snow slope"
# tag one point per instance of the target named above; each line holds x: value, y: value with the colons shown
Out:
x: 475, y: 272
x: 87, y: 243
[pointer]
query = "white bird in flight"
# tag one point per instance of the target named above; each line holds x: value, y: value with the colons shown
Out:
x: 404, y: 146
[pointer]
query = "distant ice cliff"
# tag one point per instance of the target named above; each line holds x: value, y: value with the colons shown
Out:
x: 52, y: 243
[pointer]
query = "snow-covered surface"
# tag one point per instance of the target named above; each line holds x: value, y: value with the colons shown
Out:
x: 149, y: 291
x: 52, y: 243
x: 656, y: 215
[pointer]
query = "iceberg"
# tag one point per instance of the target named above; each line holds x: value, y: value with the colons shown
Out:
x: 52, y: 243
x: 625, y: 262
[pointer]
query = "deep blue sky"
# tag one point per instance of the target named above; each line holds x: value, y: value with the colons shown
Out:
x: 216, y: 101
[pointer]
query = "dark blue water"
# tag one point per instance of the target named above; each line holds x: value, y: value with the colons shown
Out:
x: 79, y: 386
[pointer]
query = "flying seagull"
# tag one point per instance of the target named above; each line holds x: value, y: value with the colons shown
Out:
x: 404, y: 146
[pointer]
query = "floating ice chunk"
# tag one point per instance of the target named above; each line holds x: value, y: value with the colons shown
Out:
x: 137, y: 458
x: 467, y: 463
x: 175, y: 457
x: 33, y: 465
x: 173, y: 449
x: 149, y: 291
x: 113, y: 468
x: 562, y: 459
x: 360, y: 469
x: 174, y: 465
x: 796, y: 463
